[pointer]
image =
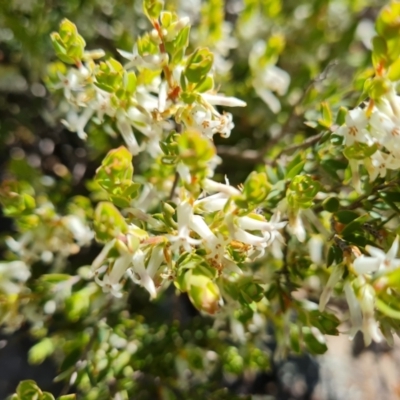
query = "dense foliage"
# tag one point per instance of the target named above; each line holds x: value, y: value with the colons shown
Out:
x: 194, y: 187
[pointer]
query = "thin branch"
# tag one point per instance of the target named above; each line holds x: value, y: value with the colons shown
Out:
x: 374, y: 190
x: 307, y: 143
x: 174, y: 185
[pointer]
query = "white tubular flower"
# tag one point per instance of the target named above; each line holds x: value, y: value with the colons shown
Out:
x: 212, y: 186
x: 221, y: 100
x: 201, y: 120
x: 81, y: 232
x: 111, y: 280
x: 147, y: 275
x: 336, y: 274
x: 153, y: 62
x: 355, y: 129
x: 99, y: 260
x: 12, y: 274
x: 103, y: 105
x: 370, y: 326
x: 296, y: 227
x: 182, y: 239
x: 269, y: 230
x: 225, y: 125
x: 184, y: 172
x: 379, y: 260
x: 378, y: 165
x: 129, y: 137
x: 354, y: 309
x: 253, y: 224
x: 76, y: 123
x: 269, y: 80
x: 315, y: 248
x: 70, y: 82
x: 215, y: 202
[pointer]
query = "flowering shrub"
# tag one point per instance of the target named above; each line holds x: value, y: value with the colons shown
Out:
x: 315, y: 219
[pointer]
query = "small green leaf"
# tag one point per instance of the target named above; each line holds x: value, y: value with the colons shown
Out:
x: 40, y: 351
x: 331, y: 204
x: 153, y: 8
x: 387, y: 310
x: 312, y: 343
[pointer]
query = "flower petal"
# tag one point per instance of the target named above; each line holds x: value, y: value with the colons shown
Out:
x: 392, y: 253
x: 365, y: 265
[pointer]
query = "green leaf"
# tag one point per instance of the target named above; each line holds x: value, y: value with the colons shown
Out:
x: 334, y: 255
x: 40, y: 351
x: 387, y: 310
x: 115, y: 176
x: 77, y: 305
x: 379, y: 51
x: 194, y: 149
x: 331, y: 204
x: 204, y: 294
x: 327, y: 119
x: 327, y: 323
x: 302, y: 191
x: 198, y: 65
x: 295, y: 170
x: 46, y: 396
x: 28, y: 390
x: 394, y: 71
x: 71, y: 359
x: 108, y: 222
x: 153, y: 8
x: 294, y: 336
x: 346, y: 216
x: 314, y: 346
x: 359, y: 151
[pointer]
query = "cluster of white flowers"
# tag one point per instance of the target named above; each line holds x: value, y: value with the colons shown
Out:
x: 379, y: 126
x: 148, y: 260
x: 360, y: 294
x: 53, y: 239
x: 268, y: 78
x: 153, y: 107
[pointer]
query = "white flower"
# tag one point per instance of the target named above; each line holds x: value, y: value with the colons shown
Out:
x: 379, y: 260
x: 76, y: 123
x: 221, y: 100
x: 182, y: 238
x: 355, y: 129
x: 126, y: 131
x: 336, y: 274
x: 12, y: 274
x: 184, y: 172
x: 147, y: 274
x: 225, y: 125
x: 150, y: 61
x: 315, y: 248
x: 268, y: 80
x: 354, y: 309
x: 370, y: 326
x: 111, y: 280
x: 296, y: 227
x: 81, y: 232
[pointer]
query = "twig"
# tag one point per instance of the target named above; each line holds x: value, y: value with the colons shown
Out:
x: 174, y: 185
x: 307, y: 143
x: 374, y: 190
x: 248, y: 156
